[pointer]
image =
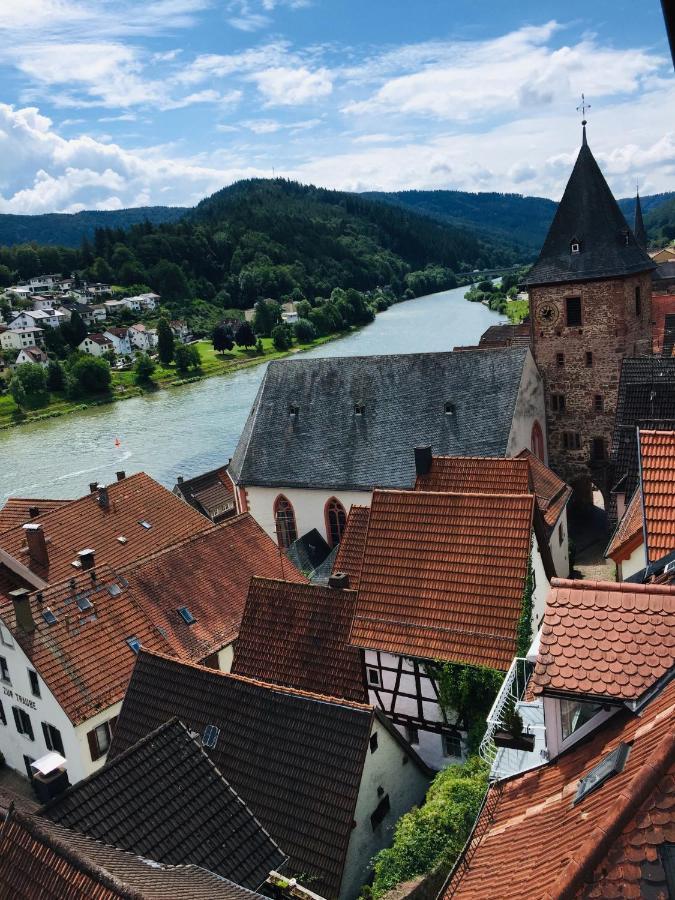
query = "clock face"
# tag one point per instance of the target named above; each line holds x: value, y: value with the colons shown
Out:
x: 547, y: 313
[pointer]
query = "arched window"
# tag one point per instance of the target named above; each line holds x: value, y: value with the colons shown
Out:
x: 336, y: 519
x: 284, y: 519
x: 538, y: 441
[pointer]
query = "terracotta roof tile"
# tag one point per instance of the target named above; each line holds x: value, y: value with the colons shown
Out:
x: 657, y: 463
x: 297, y: 635
x: 532, y: 838
x: 16, y: 510
x: 84, y: 524
x: 443, y: 575
x: 349, y: 557
x: 628, y: 534
x: 606, y: 639
x: 211, y: 492
x: 551, y: 491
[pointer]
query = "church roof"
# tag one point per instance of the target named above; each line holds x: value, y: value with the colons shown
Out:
x: 588, y: 214
x: 639, y: 226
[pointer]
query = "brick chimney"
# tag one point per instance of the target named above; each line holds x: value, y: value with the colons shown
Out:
x: 37, y: 544
x: 339, y: 581
x: 93, y: 487
x: 422, y: 460
x: 22, y: 611
x: 33, y: 511
x: 121, y: 475
x: 103, y: 498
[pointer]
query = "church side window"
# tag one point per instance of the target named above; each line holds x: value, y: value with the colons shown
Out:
x: 573, y: 305
x: 284, y: 518
x: 336, y: 519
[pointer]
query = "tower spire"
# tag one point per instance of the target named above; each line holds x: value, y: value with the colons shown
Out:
x: 639, y: 226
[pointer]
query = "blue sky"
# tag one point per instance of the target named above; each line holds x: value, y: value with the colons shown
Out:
x: 113, y: 103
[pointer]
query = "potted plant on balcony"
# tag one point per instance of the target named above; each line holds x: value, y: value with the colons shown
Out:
x: 512, y: 735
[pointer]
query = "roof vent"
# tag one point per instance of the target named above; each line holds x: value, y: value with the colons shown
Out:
x: 121, y: 475
x: 179, y: 479
x: 339, y: 581
x: 103, y: 498
x: 33, y: 511
x: 450, y: 408
x: 86, y: 558
x: 22, y: 611
x: 423, y: 460
x: 612, y: 764
x: 93, y: 487
x: 575, y: 245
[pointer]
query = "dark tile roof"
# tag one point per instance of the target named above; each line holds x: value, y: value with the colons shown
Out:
x: 211, y: 493
x: 296, y: 758
x: 589, y: 214
x: 298, y: 635
x: 639, y: 225
x: 326, y: 444
x: 443, y: 575
x: 39, y: 858
x: 605, y: 639
x: 16, y: 510
x: 164, y: 799
x: 668, y: 336
x: 308, y: 552
x: 664, y: 272
x: 532, y: 837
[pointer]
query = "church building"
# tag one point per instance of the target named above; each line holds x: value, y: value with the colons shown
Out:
x: 590, y: 307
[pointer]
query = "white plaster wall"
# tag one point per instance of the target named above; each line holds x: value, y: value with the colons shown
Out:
x: 541, y: 587
x: 529, y: 407
x: 635, y: 563
x: 561, y: 552
x: 405, y: 783
x: 309, y: 506
x: 225, y: 657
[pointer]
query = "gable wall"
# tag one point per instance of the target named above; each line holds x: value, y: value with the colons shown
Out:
x: 529, y: 408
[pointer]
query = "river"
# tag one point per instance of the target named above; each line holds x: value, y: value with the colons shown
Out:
x: 193, y: 428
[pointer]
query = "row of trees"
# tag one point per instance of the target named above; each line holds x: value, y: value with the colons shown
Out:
x: 80, y: 376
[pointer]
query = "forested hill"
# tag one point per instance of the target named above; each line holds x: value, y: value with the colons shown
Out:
x: 68, y: 229
x: 660, y: 222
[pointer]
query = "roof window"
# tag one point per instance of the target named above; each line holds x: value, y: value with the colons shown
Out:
x: 359, y: 409
x: 49, y: 616
x: 134, y: 644
x: 450, y: 408
x: 210, y: 736
x: 114, y: 590
x: 186, y: 615
x: 84, y: 603
x: 293, y: 409
x: 612, y: 764
x: 144, y: 524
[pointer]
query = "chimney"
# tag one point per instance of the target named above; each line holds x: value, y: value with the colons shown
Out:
x: 86, y: 558
x: 103, y: 499
x: 180, y: 479
x: 93, y: 487
x: 37, y: 544
x: 339, y: 581
x: 120, y: 475
x: 22, y: 610
x: 33, y: 511
x: 422, y: 460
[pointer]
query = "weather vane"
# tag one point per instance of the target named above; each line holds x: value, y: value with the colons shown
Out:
x: 582, y: 107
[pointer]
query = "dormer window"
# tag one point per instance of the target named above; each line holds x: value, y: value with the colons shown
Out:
x: 359, y: 409
x: 293, y: 409
x: 450, y: 408
x: 575, y: 246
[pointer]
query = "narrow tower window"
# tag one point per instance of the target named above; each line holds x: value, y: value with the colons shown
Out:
x: 573, y: 305
x: 598, y: 403
x: 638, y: 301
x: 589, y: 359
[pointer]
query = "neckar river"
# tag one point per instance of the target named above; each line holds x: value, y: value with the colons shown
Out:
x: 190, y: 429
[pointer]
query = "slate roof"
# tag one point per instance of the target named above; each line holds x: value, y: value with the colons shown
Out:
x: 349, y: 557
x: 628, y: 533
x: 326, y: 444
x: 589, y: 214
x: 211, y: 493
x: 639, y: 225
x: 298, y: 635
x: 657, y: 458
x: 534, y: 839
x: 165, y: 799
x: 308, y: 552
x: 83, y: 523
x: 296, y: 758
x: 16, y: 510
x: 443, y: 575
x: 39, y: 858
x: 605, y: 639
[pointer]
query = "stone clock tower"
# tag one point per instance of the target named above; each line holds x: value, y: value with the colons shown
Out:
x: 590, y: 306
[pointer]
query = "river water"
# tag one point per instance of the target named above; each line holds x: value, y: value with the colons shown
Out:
x: 193, y: 428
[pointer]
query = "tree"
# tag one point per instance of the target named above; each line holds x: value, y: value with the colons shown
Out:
x: 144, y: 368
x: 222, y: 338
x: 56, y: 376
x: 169, y: 280
x: 5, y: 276
x: 186, y: 356
x: 18, y: 392
x: 33, y: 378
x: 245, y: 336
x: 282, y: 337
x: 91, y: 375
x: 304, y: 331
x: 165, y: 342
x: 74, y: 331
x: 259, y: 348
x: 55, y: 341
x: 266, y: 316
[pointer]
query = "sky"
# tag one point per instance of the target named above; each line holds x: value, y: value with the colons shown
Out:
x: 106, y: 104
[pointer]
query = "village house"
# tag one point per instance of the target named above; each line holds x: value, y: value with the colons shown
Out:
x: 114, y: 306
x: 37, y: 318
x: 32, y: 355
x: 46, y: 303
x: 18, y: 338
x: 323, y: 432
x: 440, y: 577
x: 90, y: 315
x: 180, y: 330
x: 46, y: 283
x: 142, y: 338
x: 326, y: 778
x: 210, y: 493
x: 119, y: 338
x: 664, y: 255
x: 96, y: 345
x: 143, y: 302
x: 592, y: 818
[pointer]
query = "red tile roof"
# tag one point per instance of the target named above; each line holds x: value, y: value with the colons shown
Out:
x: 349, y: 557
x: 210, y: 574
x: 15, y: 510
x: 83, y: 524
x: 532, y: 841
x: 605, y: 639
x: 552, y: 492
x: 297, y: 635
x: 443, y: 575
x: 657, y: 463
x: 628, y: 534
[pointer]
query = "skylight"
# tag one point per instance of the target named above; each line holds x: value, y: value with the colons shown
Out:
x: 210, y: 736
x: 84, y: 603
x: 144, y: 523
x: 134, y: 644
x: 49, y: 616
x: 612, y: 764
x: 186, y: 615
x: 114, y: 590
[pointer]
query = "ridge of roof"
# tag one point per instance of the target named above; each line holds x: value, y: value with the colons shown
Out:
x: 622, y: 587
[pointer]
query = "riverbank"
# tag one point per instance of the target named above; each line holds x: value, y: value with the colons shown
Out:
x: 124, y: 387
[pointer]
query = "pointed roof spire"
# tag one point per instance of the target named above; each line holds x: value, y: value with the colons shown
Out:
x: 639, y: 226
x: 589, y: 236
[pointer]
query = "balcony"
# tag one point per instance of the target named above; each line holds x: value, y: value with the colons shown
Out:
x: 505, y: 761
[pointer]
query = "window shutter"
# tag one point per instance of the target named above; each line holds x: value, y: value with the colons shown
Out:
x: 29, y: 727
x: 17, y: 720
x: 48, y: 740
x: 112, y: 725
x: 93, y: 744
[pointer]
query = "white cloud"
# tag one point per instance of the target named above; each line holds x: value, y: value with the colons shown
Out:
x: 285, y: 86
x: 248, y: 15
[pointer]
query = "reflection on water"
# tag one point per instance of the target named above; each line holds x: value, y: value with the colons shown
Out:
x: 195, y: 427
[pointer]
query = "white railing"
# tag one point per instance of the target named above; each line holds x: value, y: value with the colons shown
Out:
x: 512, y: 689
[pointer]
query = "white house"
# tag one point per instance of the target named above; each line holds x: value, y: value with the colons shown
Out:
x: 119, y: 337
x: 323, y: 432
x: 37, y: 318
x: 46, y: 303
x: 113, y: 306
x: 18, y: 338
x: 142, y: 301
x: 96, y: 345
x: 32, y: 355
x: 142, y: 338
